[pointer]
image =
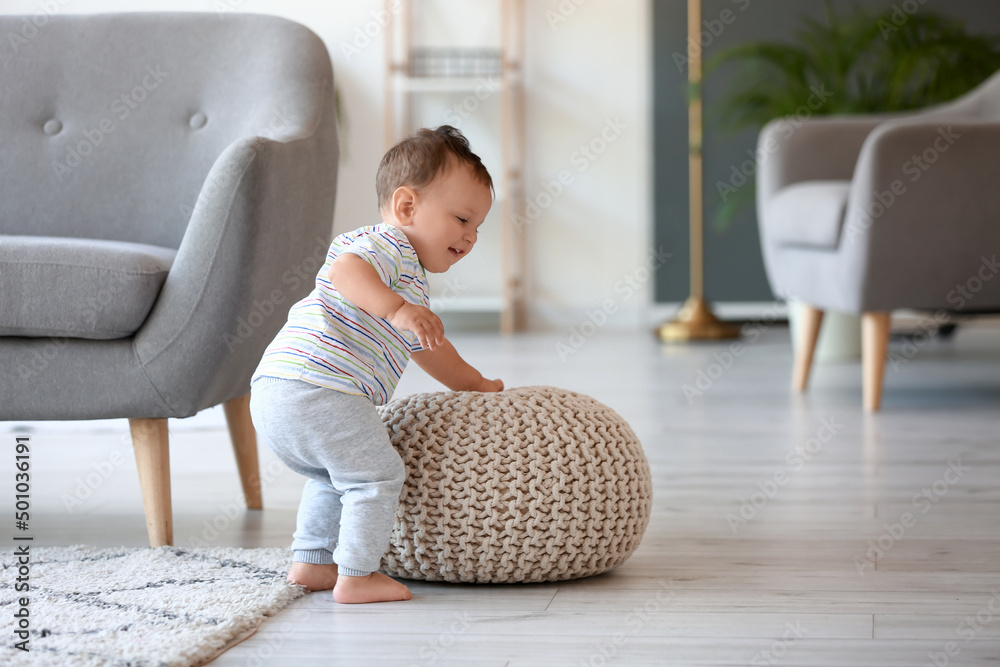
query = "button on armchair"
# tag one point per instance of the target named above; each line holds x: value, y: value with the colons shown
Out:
x: 871, y: 214
x: 167, y: 185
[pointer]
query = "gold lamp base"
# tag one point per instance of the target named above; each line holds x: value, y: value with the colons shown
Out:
x: 695, y: 321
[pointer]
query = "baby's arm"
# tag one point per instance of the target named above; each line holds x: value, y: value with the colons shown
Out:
x: 446, y: 366
x: 359, y: 282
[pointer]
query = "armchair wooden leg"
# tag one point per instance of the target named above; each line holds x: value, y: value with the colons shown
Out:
x: 808, y: 333
x: 875, y: 329
x: 150, y: 441
x: 244, y: 437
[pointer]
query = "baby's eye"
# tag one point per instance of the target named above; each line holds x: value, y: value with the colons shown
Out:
x: 462, y: 220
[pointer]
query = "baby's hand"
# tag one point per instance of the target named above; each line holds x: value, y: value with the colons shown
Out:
x: 421, y: 321
x: 490, y: 385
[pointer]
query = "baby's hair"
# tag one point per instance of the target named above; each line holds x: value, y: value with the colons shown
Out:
x: 417, y: 160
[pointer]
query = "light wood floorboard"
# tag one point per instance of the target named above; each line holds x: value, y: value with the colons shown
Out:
x: 815, y: 573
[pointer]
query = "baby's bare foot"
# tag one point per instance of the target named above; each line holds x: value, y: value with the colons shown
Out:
x: 313, y: 577
x: 376, y: 587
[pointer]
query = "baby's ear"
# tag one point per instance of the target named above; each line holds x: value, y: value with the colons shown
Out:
x: 403, y: 204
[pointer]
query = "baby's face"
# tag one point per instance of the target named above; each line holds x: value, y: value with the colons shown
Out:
x: 446, y: 217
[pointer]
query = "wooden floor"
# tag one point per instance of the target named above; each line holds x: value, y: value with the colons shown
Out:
x: 786, y: 529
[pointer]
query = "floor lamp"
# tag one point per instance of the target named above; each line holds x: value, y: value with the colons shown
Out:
x: 695, y: 320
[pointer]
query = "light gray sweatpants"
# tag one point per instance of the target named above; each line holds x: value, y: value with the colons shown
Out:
x: 339, y: 442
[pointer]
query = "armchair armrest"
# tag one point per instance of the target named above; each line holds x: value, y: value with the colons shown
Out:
x: 815, y: 149
x: 923, y: 210
x: 256, y: 238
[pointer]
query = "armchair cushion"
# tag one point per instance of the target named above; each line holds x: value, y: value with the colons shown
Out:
x: 810, y: 213
x: 78, y: 288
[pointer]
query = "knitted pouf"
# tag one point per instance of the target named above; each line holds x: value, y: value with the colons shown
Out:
x: 526, y: 485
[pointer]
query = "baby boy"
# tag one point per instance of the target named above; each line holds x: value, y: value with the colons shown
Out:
x: 344, y: 348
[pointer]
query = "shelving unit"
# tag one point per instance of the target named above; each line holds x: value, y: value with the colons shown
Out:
x: 421, y: 75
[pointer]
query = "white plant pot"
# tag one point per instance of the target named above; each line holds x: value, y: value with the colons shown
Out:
x: 839, y: 335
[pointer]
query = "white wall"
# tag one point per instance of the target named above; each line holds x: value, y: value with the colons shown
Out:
x: 585, y: 74
x: 588, y: 72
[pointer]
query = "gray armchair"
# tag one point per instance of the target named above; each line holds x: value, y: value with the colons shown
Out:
x: 167, y: 185
x: 876, y: 213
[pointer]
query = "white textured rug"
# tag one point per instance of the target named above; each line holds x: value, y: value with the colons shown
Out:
x: 167, y: 607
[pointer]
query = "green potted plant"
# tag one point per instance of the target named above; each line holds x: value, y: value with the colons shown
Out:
x: 866, y: 63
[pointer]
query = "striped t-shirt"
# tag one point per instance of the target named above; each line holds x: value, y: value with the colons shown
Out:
x: 330, y: 342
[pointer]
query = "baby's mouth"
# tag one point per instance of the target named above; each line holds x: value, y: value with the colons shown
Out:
x: 456, y: 252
